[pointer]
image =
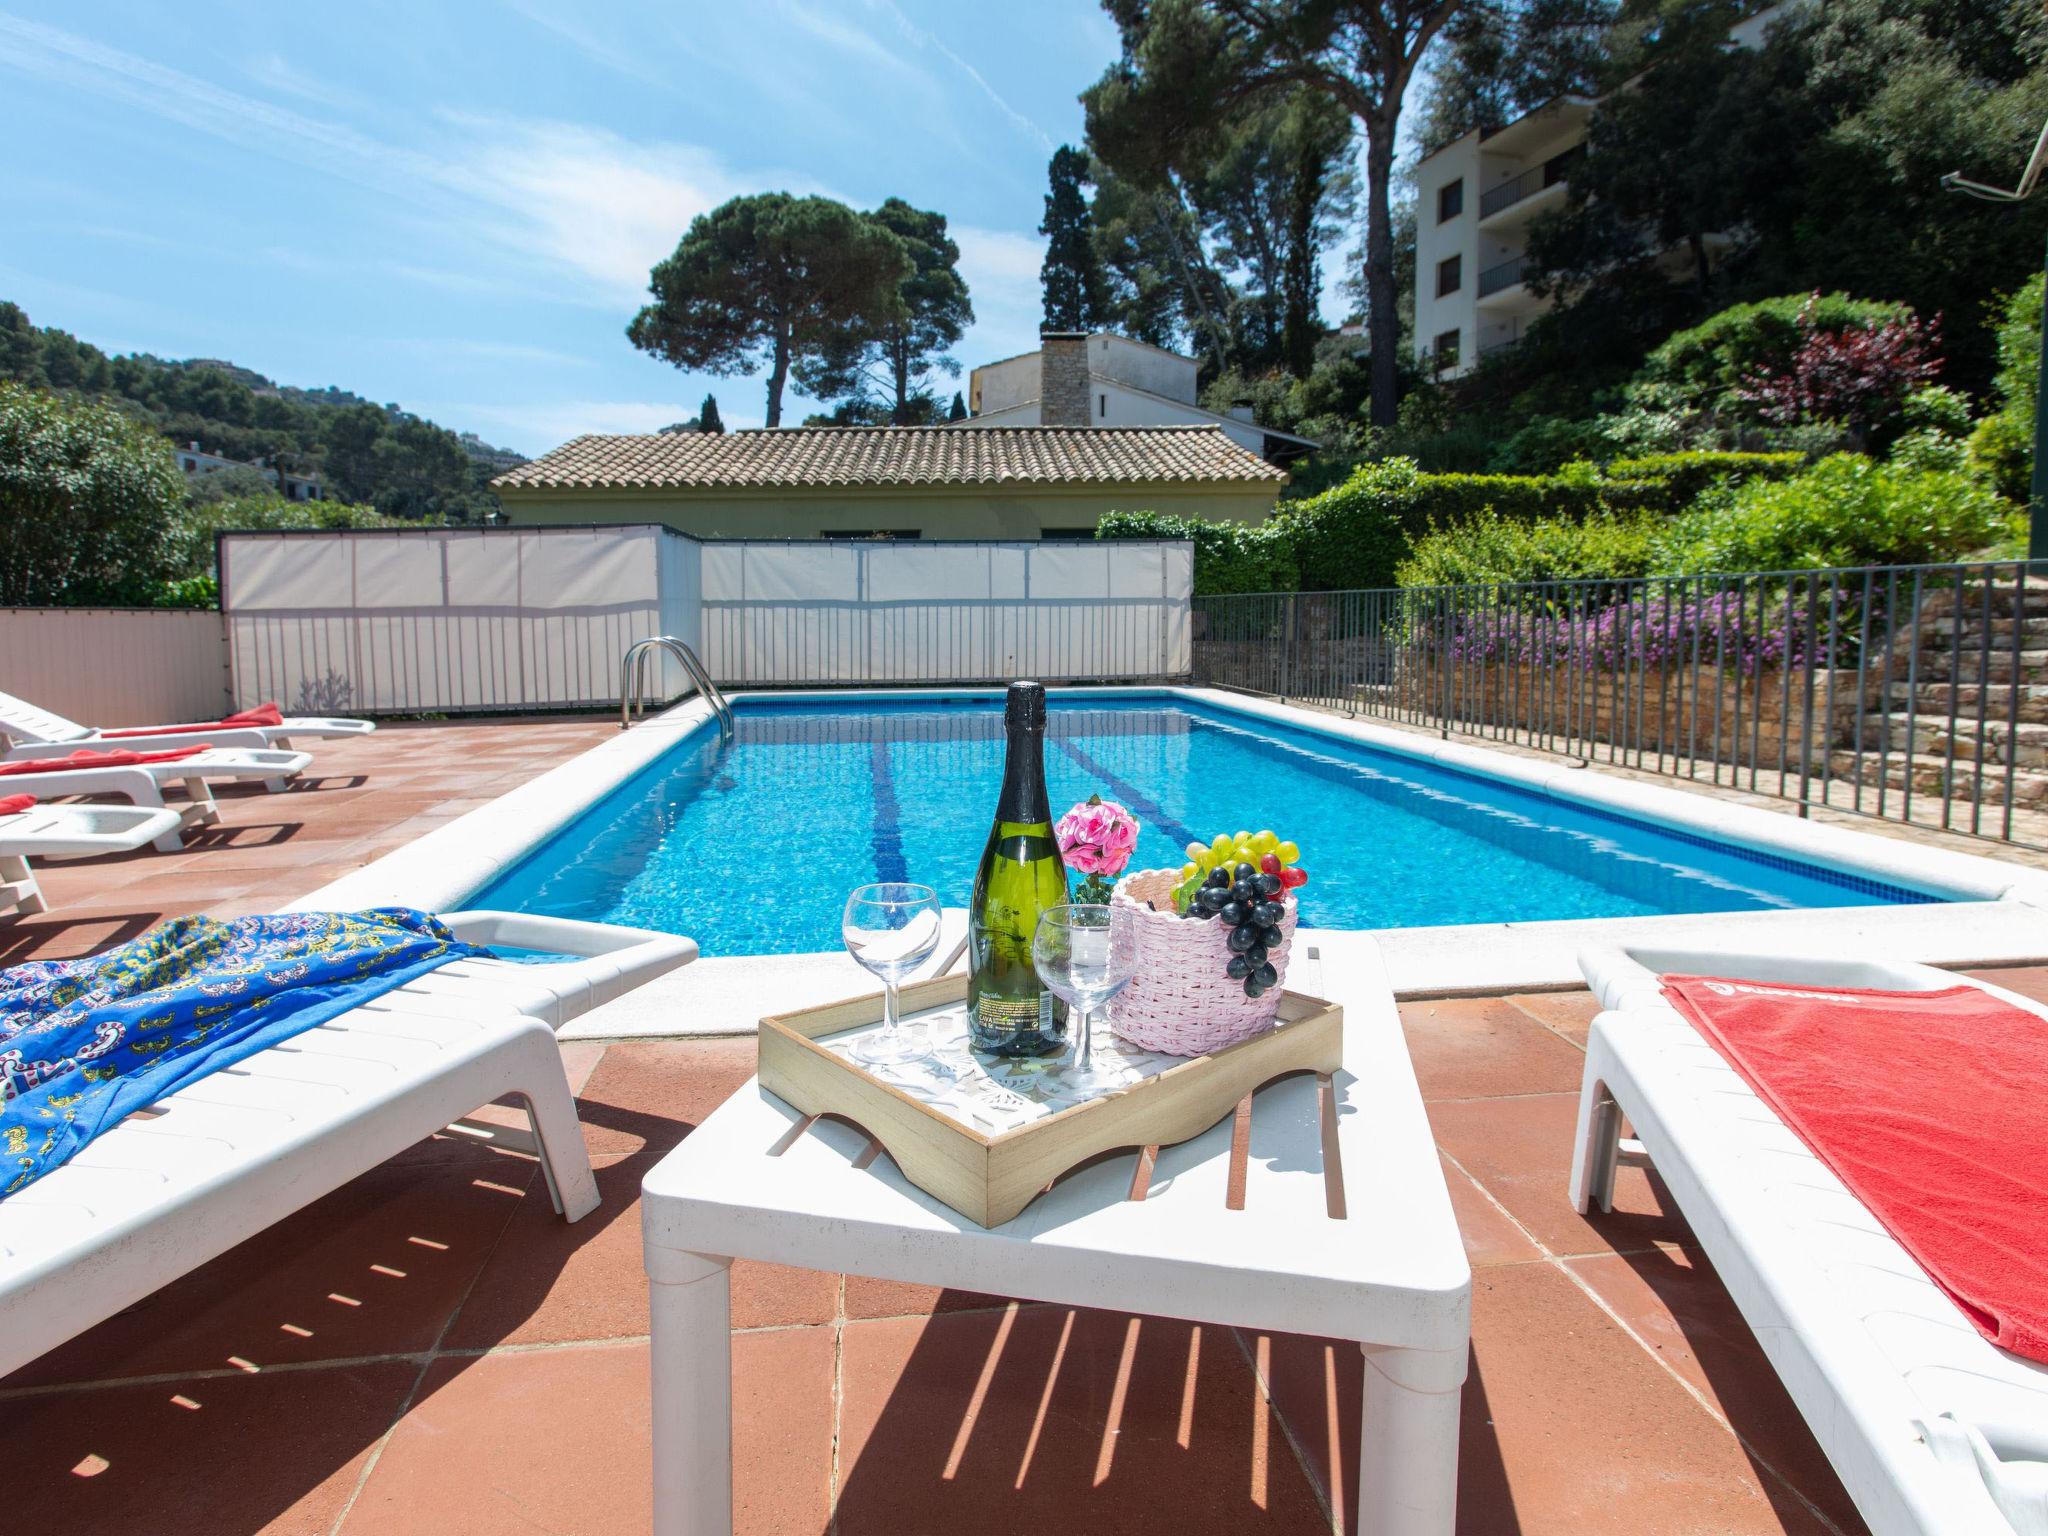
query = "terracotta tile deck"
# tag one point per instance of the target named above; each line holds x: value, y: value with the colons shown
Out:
x: 430, y: 1350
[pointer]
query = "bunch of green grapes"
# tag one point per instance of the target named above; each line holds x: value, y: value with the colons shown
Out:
x: 1263, y: 851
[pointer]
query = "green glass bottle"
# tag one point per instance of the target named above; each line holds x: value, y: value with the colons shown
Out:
x: 1009, y: 1011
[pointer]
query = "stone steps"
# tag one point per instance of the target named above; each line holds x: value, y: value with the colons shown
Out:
x: 1929, y: 733
x: 1938, y: 666
x: 1930, y: 772
x: 1944, y: 636
x: 1933, y: 700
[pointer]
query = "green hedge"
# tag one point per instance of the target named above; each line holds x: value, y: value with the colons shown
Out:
x: 1229, y: 557
x: 1845, y: 511
x: 1357, y: 534
x: 1685, y: 475
x: 1488, y: 549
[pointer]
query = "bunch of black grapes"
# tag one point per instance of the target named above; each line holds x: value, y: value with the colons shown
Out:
x: 1247, y: 902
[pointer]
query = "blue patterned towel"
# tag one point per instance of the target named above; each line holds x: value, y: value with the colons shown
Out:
x: 84, y: 1043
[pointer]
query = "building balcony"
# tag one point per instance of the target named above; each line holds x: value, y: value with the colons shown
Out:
x: 1538, y: 179
x: 1503, y: 276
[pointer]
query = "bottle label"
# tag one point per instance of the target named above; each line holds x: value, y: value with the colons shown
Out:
x: 1014, y: 1015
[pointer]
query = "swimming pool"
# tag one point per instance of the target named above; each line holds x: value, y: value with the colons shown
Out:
x: 750, y: 845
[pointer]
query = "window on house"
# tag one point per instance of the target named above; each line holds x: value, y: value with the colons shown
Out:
x: 1450, y: 275
x: 1066, y: 534
x: 1445, y: 353
x: 1101, y: 407
x: 1450, y: 200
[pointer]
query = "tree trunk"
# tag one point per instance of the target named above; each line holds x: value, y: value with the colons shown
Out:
x: 899, y: 362
x: 778, y: 375
x: 1298, y: 280
x: 1703, y: 269
x: 1383, y: 325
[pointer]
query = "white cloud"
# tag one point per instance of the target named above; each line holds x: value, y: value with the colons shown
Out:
x: 1001, y: 268
x: 557, y: 195
x: 924, y: 37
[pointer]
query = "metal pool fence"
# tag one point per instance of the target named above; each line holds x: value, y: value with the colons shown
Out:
x: 1908, y: 693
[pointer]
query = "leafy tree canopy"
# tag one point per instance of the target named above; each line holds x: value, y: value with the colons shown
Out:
x: 897, y: 358
x: 420, y: 470
x: 1191, y: 67
x: 770, y: 279
x: 87, y: 502
x: 1071, y: 275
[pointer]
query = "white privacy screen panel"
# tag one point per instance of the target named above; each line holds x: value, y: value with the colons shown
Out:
x: 445, y: 619
x: 887, y: 611
x: 452, y: 620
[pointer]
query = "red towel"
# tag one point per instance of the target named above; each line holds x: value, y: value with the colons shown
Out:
x: 119, y: 758
x: 14, y: 805
x: 1931, y: 1106
x: 262, y: 714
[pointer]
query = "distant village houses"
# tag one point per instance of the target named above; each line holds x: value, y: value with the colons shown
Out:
x: 196, y: 462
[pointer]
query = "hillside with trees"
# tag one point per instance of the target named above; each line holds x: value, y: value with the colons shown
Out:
x: 377, y: 456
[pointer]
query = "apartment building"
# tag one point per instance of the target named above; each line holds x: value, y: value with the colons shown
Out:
x: 1475, y: 200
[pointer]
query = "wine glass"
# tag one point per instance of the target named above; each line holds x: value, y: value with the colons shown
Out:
x: 1086, y: 954
x: 891, y: 929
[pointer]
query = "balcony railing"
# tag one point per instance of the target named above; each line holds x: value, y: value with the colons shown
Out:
x: 1505, y: 275
x: 1552, y: 171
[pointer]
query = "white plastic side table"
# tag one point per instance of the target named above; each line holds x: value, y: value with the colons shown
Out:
x: 1332, y: 1220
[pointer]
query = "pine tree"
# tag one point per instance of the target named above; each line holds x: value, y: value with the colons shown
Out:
x: 959, y: 410
x: 1072, y: 274
x: 707, y: 418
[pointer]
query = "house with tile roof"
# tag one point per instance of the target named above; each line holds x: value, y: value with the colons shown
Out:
x: 893, y: 482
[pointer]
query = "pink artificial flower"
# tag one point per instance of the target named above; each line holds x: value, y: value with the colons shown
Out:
x: 1097, y: 836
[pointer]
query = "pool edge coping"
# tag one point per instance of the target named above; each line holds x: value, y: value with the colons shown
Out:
x: 443, y: 868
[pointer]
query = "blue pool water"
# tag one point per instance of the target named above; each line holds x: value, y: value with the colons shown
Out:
x: 751, y: 845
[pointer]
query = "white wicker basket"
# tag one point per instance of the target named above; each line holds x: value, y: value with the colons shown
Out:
x: 1181, y: 1001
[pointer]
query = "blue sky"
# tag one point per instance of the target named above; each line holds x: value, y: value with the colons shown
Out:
x: 454, y: 206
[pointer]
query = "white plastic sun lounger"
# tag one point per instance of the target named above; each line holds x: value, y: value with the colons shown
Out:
x: 144, y: 783
x: 33, y: 726
x: 174, y: 1186
x: 1931, y: 1427
x: 69, y: 831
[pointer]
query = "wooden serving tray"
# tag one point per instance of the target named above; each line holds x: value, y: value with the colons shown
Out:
x: 988, y: 1138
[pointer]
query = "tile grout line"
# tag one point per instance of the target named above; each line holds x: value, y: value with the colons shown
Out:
x: 1712, y: 1409
x: 1325, y: 1497
x: 1541, y: 1023
x: 432, y: 1353
x: 832, y: 1469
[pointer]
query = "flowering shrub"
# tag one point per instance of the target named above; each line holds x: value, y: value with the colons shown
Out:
x: 1096, y: 837
x: 1857, y: 375
x: 1742, y: 631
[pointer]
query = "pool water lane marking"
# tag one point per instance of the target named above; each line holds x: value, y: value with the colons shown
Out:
x: 889, y: 863
x: 1134, y: 798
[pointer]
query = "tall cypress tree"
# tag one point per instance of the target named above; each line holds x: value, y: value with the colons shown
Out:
x: 708, y: 419
x: 1072, y: 274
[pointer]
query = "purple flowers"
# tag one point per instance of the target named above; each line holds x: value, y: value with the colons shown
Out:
x: 1724, y: 629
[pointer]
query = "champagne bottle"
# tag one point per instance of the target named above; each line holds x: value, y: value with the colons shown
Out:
x: 1010, y: 1012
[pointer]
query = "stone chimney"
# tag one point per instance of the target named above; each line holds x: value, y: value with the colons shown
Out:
x: 1063, y: 379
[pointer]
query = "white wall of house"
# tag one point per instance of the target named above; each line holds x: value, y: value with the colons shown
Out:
x: 1013, y: 381
x: 1112, y: 404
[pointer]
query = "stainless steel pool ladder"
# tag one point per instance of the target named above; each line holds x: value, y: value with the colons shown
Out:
x: 633, y: 680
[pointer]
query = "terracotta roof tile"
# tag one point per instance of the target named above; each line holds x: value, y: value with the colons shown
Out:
x: 832, y: 456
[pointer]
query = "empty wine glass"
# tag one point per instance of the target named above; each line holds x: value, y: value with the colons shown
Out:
x: 891, y: 929
x: 1086, y: 954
